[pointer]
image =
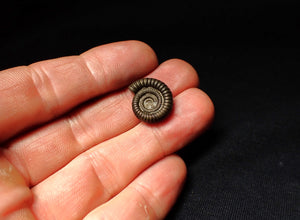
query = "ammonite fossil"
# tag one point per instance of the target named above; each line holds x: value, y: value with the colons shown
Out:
x: 152, y: 101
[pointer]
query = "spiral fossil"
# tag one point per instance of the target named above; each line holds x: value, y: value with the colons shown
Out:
x: 152, y: 101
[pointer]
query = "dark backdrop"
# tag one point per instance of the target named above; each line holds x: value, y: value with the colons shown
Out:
x: 247, y: 166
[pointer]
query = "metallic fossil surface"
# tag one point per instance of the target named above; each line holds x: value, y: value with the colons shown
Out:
x: 153, y: 99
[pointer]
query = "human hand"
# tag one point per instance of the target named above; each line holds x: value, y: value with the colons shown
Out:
x: 94, y: 160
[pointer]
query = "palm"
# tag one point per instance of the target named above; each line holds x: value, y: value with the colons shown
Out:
x: 97, y: 160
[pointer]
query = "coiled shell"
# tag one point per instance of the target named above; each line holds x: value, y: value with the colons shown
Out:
x: 152, y: 101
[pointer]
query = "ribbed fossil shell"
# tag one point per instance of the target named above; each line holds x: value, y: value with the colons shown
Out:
x: 152, y: 101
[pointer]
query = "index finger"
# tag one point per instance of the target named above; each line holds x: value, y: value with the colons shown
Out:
x: 33, y: 94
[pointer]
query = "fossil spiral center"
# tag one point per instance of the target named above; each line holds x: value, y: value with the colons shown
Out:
x: 150, y: 103
x: 150, y: 100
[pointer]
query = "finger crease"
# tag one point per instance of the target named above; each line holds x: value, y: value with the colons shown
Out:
x: 107, y: 175
x: 92, y: 71
x: 79, y: 128
x: 41, y: 79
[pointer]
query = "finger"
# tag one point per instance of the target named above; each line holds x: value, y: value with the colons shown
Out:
x: 149, y: 196
x: 43, y: 90
x: 40, y: 154
x: 98, y: 174
x: 15, y: 196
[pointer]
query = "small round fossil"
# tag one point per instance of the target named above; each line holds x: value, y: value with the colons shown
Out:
x: 152, y: 101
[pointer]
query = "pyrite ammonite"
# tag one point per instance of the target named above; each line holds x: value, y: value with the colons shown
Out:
x: 152, y: 101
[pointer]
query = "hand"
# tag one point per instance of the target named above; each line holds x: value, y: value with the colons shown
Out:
x: 65, y: 158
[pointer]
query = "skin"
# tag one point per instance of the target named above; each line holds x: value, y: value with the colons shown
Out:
x: 65, y: 158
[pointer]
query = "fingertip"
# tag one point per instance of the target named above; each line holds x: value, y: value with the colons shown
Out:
x: 145, y: 48
x: 187, y: 70
x: 140, y: 54
x: 198, y: 108
x: 208, y: 108
x: 177, y: 73
x: 167, y: 179
x: 143, y: 51
x: 175, y: 175
x: 178, y: 172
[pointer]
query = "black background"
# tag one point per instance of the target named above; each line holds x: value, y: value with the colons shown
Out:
x: 246, y: 166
